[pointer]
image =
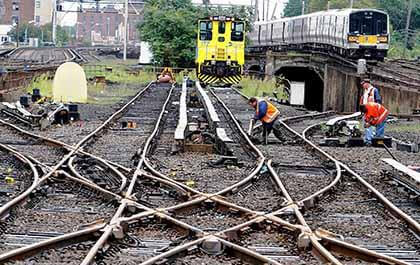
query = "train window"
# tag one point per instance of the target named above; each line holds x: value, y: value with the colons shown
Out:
x: 381, y: 23
x: 205, y: 30
x: 237, y: 31
x: 367, y: 26
x: 355, y: 22
x: 222, y: 27
x: 368, y: 23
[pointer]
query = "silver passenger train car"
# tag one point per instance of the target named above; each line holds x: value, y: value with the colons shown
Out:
x: 351, y: 33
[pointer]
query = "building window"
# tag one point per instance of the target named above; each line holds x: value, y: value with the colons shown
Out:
x: 38, y: 4
x: 37, y: 19
x: 15, y: 6
x: 15, y: 19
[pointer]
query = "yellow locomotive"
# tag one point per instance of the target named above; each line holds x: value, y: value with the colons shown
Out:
x: 220, y: 51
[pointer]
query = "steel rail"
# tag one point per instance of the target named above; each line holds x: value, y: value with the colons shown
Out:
x: 84, y: 140
x: 325, y: 254
x: 174, y: 251
x: 85, y: 182
x: 261, y: 157
x: 48, y: 242
x: 306, y: 229
x: 62, y: 144
x: 115, y: 221
x: 163, y: 176
x: 28, y: 191
x: 379, y: 258
x: 104, y: 163
x: 248, y: 252
x: 411, y: 222
x: 388, y: 204
x: 91, y: 185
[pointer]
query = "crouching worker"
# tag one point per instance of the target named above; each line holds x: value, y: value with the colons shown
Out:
x: 374, y: 115
x: 268, y: 114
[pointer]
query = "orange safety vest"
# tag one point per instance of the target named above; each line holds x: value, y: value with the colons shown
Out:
x: 375, y: 113
x: 370, y: 97
x: 271, y: 114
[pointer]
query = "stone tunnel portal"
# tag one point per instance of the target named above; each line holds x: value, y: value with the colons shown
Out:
x: 314, y: 85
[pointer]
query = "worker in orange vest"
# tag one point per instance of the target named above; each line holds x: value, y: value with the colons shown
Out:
x: 374, y: 115
x: 267, y: 113
x: 370, y: 94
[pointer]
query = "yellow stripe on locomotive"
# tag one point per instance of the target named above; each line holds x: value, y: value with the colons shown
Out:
x: 220, y: 50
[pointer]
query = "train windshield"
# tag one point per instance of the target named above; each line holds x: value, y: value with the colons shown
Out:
x: 237, y: 31
x: 368, y: 23
x: 205, y: 30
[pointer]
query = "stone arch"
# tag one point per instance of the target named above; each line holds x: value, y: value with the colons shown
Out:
x: 314, y: 83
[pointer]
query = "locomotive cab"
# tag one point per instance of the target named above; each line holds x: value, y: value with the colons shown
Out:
x: 368, y: 34
x: 220, y: 50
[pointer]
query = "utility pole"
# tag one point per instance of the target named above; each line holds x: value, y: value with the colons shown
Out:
x: 351, y: 3
x: 263, y: 11
x: 268, y: 8
x: 257, y: 14
x: 273, y: 15
x: 125, y: 30
x: 17, y: 33
x: 303, y: 7
x: 328, y: 5
x: 407, y: 26
x: 54, y: 22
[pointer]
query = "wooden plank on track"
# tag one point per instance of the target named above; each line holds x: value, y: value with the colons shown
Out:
x: 208, y: 105
x: 402, y: 168
x: 183, y: 119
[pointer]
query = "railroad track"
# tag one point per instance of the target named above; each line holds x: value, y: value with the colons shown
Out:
x: 288, y: 202
x: 38, y: 58
x: 60, y: 206
x: 405, y: 251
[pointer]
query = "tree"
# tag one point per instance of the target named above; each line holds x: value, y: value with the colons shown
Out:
x: 293, y: 8
x: 170, y: 27
x: 43, y: 33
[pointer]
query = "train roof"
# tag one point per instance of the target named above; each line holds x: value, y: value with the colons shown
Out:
x: 221, y: 18
x: 343, y: 11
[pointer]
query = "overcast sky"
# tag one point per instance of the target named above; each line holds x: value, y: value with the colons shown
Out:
x: 69, y: 19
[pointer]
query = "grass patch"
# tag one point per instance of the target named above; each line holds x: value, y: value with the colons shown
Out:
x: 110, y: 94
x: 125, y: 84
x: 119, y: 74
x: 43, y: 83
x: 411, y: 128
x: 257, y: 88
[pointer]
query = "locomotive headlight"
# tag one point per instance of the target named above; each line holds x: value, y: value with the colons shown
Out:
x: 383, y: 38
x: 213, y: 62
x: 353, y: 39
x: 228, y: 62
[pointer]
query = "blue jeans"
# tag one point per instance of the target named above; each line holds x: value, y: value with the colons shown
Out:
x: 379, y: 132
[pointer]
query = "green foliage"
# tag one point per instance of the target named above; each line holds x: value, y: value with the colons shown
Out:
x: 170, y: 27
x: 43, y: 33
x: 43, y: 83
x: 293, y: 8
x: 256, y: 87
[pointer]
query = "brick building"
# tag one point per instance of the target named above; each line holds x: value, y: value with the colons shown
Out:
x: 21, y: 11
x: 43, y: 11
x: 104, y: 25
